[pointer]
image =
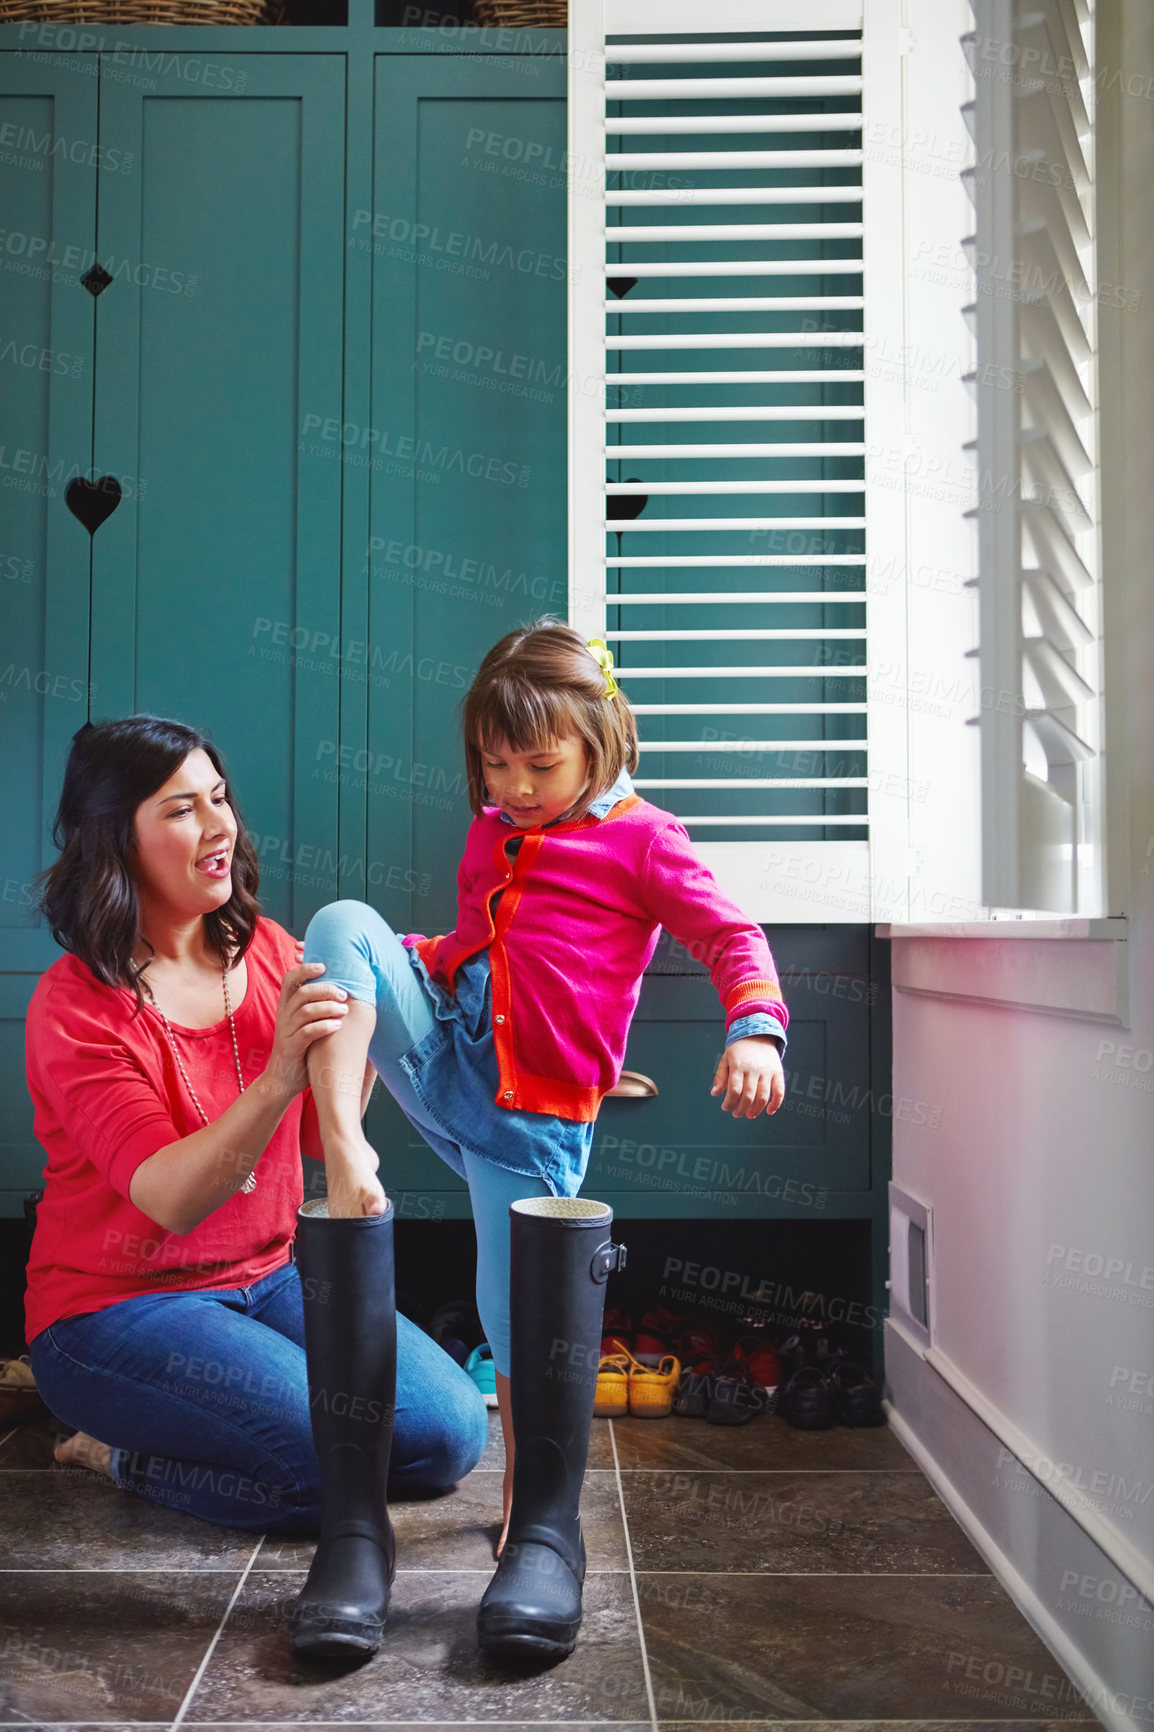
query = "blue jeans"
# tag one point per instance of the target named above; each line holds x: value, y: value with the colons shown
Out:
x: 204, y: 1398
x: 363, y: 954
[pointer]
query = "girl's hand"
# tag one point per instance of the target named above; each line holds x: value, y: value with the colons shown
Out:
x: 353, y: 1186
x: 308, y: 1009
x: 751, y: 1074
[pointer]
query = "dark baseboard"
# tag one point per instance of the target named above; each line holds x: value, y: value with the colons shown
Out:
x: 14, y: 1241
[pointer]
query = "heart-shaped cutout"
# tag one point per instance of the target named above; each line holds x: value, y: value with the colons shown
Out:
x: 619, y: 507
x: 91, y: 502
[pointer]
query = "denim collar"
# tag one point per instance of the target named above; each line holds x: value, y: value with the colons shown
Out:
x: 604, y: 803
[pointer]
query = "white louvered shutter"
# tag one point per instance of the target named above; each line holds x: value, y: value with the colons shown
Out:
x: 718, y: 384
x: 1034, y: 328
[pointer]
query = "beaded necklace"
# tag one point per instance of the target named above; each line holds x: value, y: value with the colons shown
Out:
x: 249, y: 1185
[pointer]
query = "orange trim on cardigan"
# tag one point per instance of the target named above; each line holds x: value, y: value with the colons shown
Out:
x: 752, y: 989
x: 542, y: 1094
x: 499, y: 976
x: 617, y: 811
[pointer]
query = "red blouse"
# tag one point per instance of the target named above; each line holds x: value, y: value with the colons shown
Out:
x: 108, y: 1094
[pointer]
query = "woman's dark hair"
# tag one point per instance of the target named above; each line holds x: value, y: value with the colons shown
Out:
x: 89, y: 894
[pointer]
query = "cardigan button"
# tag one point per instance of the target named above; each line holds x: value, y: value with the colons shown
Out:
x: 508, y: 1094
x: 498, y: 1019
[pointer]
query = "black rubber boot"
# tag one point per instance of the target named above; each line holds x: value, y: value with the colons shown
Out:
x: 560, y: 1257
x: 347, y: 1280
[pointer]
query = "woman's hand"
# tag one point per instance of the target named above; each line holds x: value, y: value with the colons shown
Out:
x: 751, y: 1074
x: 308, y: 1009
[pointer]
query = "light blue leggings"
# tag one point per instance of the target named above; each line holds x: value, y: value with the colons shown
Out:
x: 362, y: 953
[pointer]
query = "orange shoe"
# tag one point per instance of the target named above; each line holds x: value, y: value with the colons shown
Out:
x: 652, y: 1388
x: 612, y: 1398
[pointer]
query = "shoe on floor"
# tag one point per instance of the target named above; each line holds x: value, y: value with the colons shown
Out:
x: 694, y: 1391
x: 761, y: 1357
x: 735, y: 1398
x: 804, y: 1400
x: 612, y: 1398
x: 20, y: 1401
x: 652, y: 1388
x: 616, y: 1333
x: 856, y: 1397
x: 479, y: 1366
x: 810, y: 1344
x: 658, y: 1333
x: 698, y: 1342
x: 459, y: 1318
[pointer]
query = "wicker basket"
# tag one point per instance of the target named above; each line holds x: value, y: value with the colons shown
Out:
x: 141, y: 11
x: 507, y: 14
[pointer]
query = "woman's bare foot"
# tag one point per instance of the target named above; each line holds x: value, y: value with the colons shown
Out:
x: 80, y: 1450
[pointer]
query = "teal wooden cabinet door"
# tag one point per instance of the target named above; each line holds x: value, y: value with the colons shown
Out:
x: 467, y: 536
x: 216, y: 592
x: 48, y: 123
x: 467, y: 457
x: 51, y: 164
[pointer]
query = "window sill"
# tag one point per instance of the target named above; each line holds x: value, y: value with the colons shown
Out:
x: 1111, y: 927
x: 1063, y: 967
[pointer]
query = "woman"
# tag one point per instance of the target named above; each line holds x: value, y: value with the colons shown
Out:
x: 167, y: 1063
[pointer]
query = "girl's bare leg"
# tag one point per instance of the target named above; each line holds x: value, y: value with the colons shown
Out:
x: 505, y: 1409
x: 336, y: 1066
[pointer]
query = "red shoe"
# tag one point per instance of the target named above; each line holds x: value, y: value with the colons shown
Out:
x: 700, y: 1347
x: 761, y: 1357
x: 616, y: 1333
x: 658, y: 1334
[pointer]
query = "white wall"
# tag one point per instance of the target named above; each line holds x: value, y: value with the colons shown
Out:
x: 1040, y: 1170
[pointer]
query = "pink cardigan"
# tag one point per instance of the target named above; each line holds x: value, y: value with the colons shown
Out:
x: 577, y: 922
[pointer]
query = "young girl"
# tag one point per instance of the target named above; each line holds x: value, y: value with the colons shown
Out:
x: 500, y: 1039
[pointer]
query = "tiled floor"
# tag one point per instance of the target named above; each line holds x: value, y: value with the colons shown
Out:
x: 758, y: 1575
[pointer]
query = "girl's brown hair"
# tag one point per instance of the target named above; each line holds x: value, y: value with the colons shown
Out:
x: 538, y: 684
x: 89, y: 894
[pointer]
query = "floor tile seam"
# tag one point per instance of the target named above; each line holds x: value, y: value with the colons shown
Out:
x: 785, y: 1472
x: 650, y: 1697
x: 487, y: 1571
x: 691, y: 1467
x: 606, y: 1570
x: 687, y: 1467
x: 835, y: 1575
x: 211, y: 1649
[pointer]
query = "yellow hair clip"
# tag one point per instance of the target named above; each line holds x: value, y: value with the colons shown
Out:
x: 603, y: 656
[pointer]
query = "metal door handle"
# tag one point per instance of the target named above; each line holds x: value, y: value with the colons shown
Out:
x: 631, y: 1085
